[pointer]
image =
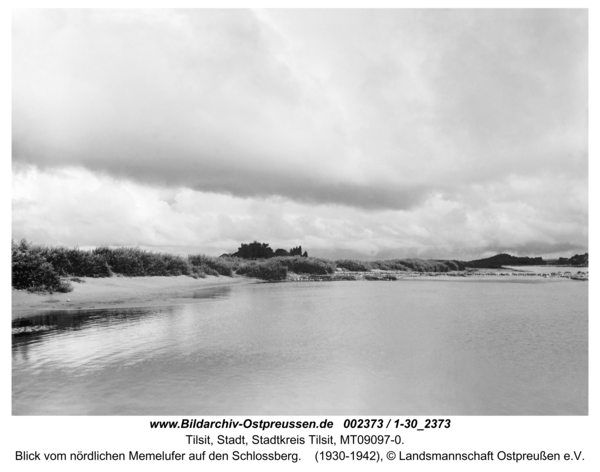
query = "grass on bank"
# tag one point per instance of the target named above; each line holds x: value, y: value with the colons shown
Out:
x: 48, y: 269
x: 404, y: 265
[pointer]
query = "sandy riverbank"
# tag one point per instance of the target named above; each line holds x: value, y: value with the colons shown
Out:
x: 119, y: 292
x: 124, y: 292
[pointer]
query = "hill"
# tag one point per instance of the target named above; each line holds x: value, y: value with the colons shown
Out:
x: 501, y: 260
x: 578, y: 260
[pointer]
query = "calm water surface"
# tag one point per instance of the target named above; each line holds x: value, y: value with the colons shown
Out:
x: 448, y: 347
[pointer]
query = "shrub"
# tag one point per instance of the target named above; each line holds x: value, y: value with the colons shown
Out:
x: 271, y: 269
x: 31, y: 270
x: 394, y: 264
x: 456, y: 265
x: 124, y: 261
x: 233, y: 262
x: 135, y: 262
x: 419, y: 265
x: 76, y: 262
x: 217, y: 265
x: 353, y: 266
x: 307, y: 265
x: 204, y: 270
x: 176, y: 265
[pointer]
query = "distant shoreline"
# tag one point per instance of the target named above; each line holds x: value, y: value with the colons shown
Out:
x: 385, y: 275
x: 43, y: 269
x: 138, y: 292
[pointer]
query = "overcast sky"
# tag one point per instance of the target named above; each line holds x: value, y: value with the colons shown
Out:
x: 354, y: 133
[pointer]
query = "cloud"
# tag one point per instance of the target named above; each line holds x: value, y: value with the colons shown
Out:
x: 92, y: 210
x: 381, y: 110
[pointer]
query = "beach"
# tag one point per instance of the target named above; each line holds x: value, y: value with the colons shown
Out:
x: 122, y: 292
x: 125, y: 292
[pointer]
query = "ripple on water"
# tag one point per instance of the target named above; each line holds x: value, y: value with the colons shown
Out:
x: 418, y: 347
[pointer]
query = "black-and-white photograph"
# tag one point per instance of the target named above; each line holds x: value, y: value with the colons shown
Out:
x: 302, y: 212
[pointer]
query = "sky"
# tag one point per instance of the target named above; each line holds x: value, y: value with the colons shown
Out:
x: 369, y: 134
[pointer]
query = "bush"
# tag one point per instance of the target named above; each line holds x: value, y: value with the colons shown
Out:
x: 135, y: 262
x: 75, y: 262
x: 270, y: 269
x: 419, y: 265
x: 176, y: 265
x: 217, y: 265
x: 233, y: 262
x: 31, y: 271
x: 124, y: 261
x: 307, y: 265
x: 203, y: 270
x: 353, y: 266
x: 394, y: 264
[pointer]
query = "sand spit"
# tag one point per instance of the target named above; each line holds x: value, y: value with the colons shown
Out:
x: 390, y: 275
x: 121, y: 292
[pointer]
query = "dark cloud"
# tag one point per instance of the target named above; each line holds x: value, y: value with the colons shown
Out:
x: 77, y: 207
x: 242, y: 178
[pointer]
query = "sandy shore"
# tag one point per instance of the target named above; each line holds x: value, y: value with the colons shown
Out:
x: 125, y: 292
x: 119, y: 292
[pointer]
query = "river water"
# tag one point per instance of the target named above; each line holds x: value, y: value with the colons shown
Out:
x: 415, y: 347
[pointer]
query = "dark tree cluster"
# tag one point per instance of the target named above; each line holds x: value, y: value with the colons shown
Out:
x: 578, y: 260
x: 256, y: 250
x: 297, y: 251
x: 501, y: 260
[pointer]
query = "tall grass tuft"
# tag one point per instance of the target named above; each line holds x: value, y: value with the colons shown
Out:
x: 135, y: 262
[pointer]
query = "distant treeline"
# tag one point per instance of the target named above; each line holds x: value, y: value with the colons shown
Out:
x: 505, y: 260
x: 502, y: 260
x: 578, y: 260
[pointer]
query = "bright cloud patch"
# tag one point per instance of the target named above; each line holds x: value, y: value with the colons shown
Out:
x: 442, y: 133
x: 91, y: 210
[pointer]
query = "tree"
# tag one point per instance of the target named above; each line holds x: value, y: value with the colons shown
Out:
x: 254, y: 250
x: 296, y: 251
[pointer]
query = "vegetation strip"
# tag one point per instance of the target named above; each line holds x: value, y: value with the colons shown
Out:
x: 38, y: 268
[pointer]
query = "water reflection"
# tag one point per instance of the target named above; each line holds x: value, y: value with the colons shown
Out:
x: 31, y: 329
x: 209, y: 293
x: 28, y: 329
x: 310, y: 348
